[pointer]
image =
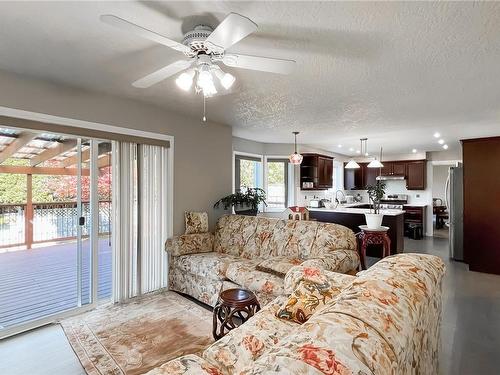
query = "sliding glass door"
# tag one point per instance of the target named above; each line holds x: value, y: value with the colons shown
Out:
x: 54, y: 216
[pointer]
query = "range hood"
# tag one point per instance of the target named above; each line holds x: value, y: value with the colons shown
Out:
x: 390, y: 177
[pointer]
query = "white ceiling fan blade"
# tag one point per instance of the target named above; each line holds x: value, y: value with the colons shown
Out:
x: 264, y: 64
x: 163, y: 73
x: 124, y: 25
x: 230, y: 31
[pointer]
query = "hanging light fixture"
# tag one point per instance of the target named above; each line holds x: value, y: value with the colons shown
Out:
x: 352, y: 164
x: 295, y: 158
x: 376, y: 163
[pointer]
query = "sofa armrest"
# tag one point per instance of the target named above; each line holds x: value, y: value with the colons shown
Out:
x: 316, y: 275
x: 185, y: 365
x: 190, y: 244
x: 342, y: 261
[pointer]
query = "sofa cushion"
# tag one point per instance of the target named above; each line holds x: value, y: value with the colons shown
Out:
x: 210, y: 265
x: 196, y: 222
x: 278, y: 266
x: 241, y: 347
x: 306, y: 299
x: 243, y: 273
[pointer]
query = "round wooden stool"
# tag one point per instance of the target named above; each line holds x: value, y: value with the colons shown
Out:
x: 377, y: 236
x: 234, y: 307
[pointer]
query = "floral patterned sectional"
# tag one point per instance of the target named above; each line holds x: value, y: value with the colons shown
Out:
x: 385, y: 320
x: 256, y: 253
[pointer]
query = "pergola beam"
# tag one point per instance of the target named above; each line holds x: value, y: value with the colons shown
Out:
x: 103, y: 148
x: 22, y: 140
x: 53, y: 152
x: 42, y: 170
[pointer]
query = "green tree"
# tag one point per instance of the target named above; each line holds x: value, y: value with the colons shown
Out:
x: 276, y: 173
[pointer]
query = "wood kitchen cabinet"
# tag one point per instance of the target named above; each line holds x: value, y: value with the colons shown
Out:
x: 396, y: 168
x: 416, y: 173
x: 370, y: 176
x: 354, y: 178
x: 316, y: 170
x: 325, y: 172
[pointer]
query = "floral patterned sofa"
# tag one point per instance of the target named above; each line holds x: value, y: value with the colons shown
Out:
x: 385, y: 320
x: 255, y: 253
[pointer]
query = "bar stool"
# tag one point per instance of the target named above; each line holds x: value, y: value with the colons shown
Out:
x: 377, y: 236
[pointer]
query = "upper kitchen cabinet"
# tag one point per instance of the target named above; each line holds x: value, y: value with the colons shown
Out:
x: 360, y: 178
x: 393, y: 168
x: 370, y: 176
x: 316, y: 172
x: 416, y: 173
x: 325, y: 172
x: 399, y: 168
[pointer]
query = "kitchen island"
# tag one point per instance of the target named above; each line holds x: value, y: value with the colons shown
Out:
x: 352, y: 216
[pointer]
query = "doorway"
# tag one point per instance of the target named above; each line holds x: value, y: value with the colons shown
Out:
x: 440, y: 209
x: 55, y: 223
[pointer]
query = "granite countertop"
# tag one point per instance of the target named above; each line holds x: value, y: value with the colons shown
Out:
x: 348, y: 209
x: 415, y: 205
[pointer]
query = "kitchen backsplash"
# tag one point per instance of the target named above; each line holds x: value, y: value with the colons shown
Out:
x: 392, y: 187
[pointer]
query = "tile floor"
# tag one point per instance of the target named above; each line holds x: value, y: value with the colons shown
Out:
x: 470, y: 330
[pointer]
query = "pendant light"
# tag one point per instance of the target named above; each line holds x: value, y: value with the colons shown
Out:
x: 376, y: 163
x: 295, y: 158
x: 352, y: 164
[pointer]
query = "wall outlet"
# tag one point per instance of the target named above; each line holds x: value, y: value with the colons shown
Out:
x: 417, y: 195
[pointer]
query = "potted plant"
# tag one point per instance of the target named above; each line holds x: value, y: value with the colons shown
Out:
x: 244, y: 203
x: 375, y: 194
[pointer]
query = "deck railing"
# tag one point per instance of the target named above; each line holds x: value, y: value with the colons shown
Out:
x: 52, y: 221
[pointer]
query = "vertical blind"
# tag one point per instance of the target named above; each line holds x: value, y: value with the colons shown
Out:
x: 140, y: 217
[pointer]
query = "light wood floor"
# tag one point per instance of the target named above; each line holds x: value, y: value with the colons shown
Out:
x: 470, y: 329
x: 43, y: 351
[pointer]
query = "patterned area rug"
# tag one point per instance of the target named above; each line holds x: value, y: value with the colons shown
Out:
x: 135, y: 337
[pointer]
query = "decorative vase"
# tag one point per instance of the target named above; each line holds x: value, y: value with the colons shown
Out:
x: 374, y: 221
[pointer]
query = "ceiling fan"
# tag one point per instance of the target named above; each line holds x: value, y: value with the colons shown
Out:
x: 204, y: 48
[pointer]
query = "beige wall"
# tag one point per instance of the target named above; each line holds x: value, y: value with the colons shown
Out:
x: 203, y: 152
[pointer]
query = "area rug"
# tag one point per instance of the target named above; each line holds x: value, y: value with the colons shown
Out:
x: 134, y: 337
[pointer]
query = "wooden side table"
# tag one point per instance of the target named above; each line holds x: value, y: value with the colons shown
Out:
x: 234, y: 307
x: 373, y: 236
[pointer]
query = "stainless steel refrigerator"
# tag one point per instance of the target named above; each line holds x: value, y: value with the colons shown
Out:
x: 454, y: 201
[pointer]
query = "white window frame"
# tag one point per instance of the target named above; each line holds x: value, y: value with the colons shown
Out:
x: 290, y: 183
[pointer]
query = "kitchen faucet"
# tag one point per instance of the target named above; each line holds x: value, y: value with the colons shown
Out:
x: 342, y: 201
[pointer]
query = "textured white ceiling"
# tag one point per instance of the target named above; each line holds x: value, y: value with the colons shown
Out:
x: 394, y: 72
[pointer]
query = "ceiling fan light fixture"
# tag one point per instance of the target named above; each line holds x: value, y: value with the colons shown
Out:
x: 227, y: 80
x: 185, y: 80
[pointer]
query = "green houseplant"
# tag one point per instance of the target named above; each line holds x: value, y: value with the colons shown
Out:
x: 244, y: 203
x: 375, y: 194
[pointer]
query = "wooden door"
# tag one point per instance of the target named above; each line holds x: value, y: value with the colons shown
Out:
x: 416, y: 175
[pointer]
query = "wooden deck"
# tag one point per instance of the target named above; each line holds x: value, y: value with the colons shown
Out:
x: 43, y: 281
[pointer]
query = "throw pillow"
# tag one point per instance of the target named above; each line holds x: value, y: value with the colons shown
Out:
x: 196, y: 222
x: 306, y: 299
x: 278, y: 266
